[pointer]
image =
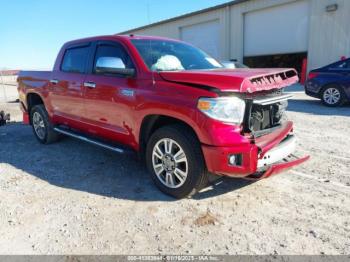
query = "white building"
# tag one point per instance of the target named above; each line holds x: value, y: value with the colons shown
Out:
x: 265, y: 33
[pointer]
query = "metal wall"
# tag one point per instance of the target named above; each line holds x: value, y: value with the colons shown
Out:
x: 329, y: 32
x: 8, y: 88
x: 173, y: 29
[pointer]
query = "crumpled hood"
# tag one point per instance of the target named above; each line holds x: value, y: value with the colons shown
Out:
x: 235, y: 80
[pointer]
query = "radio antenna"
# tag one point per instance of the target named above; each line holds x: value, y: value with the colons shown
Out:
x: 150, y: 42
x: 3, y: 85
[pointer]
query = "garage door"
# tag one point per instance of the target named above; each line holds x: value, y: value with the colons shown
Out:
x: 204, y: 35
x: 277, y: 30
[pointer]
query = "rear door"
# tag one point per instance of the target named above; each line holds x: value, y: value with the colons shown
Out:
x: 66, y: 85
x: 109, y: 97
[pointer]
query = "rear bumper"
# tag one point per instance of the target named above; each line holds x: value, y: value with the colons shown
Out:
x: 268, y: 155
x: 25, y: 114
x: 313, y: 88
x: 312, y: 94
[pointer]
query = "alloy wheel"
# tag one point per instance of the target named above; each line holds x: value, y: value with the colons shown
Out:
x: 170, y: 163
x: 39, y: 125
x: 331, y: 96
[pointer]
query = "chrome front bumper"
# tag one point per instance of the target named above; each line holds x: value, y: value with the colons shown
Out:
x: 276, y: 154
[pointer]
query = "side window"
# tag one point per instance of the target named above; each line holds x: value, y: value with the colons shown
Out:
x: 341, y: 65
x: 112, y: 55
x: 74, y: 59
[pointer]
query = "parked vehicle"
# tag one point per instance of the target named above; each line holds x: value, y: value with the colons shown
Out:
x: 330, y: 83
x: 233, y: 64
x: 177, y: 107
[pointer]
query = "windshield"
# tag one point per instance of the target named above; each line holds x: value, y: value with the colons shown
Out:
x: 163, y: 55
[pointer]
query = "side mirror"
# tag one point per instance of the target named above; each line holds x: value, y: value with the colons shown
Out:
x: 113, y: 65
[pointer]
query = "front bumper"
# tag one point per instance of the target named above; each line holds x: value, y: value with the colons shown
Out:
x: 263, y: 157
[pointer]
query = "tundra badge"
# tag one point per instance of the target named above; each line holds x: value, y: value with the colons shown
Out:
x: 127, y: 92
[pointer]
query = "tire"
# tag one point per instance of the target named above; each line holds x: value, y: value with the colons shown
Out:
x: 42, y: 127
x: 190, y: 161
x: 332, y: 96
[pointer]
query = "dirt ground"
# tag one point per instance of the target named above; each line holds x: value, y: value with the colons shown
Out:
x: 74, y: 198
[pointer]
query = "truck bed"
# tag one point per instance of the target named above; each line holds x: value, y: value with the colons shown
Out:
x: 32, y: 80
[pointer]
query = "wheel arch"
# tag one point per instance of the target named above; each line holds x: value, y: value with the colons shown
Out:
x: 151, y: 123
x: 33, y: 99
x: 332, y: 84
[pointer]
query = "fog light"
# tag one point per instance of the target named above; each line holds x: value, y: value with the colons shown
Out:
x: 232, y: 159
x: 235, y: 160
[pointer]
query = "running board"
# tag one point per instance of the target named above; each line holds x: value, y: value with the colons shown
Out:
x: 89, y: 140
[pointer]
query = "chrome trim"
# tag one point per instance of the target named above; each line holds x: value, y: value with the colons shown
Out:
x: 170, y: 163
x: 283, y: 150
x: 90, y: 84
x: 54, y: 81
x: 272, y: 100
x: 110, y: 62
x: 83, y: 138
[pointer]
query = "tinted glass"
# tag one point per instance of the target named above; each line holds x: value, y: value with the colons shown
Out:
x: 345, y: 64
x: 163, y: 55
x: 114, y: 50
x: 75, y: 60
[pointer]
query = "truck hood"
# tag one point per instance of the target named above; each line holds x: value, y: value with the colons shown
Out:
x: 235, y: 80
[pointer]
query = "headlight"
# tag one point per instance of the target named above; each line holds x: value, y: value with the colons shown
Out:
x: 226, y: 109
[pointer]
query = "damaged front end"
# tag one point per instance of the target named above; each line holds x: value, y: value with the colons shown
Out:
x: 265, y: 111
x: 267, y: 126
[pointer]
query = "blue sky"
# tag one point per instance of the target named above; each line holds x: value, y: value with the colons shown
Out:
x: 32, y: 31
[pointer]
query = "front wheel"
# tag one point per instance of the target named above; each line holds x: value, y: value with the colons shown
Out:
x: 174, y: 159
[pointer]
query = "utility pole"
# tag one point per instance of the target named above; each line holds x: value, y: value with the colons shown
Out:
x: 3, y: 86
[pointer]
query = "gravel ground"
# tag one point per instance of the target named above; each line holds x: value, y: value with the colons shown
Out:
x: 74, y: 198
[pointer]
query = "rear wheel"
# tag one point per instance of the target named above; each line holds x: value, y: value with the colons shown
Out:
x: 42, y: 127
x: 175, y: 161
x: 332, y: 96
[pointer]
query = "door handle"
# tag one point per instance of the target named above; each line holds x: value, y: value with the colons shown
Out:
x: 54, y: 81
x: 90, y: 84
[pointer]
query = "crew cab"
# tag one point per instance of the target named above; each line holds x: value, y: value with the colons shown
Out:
x: 186, y: 115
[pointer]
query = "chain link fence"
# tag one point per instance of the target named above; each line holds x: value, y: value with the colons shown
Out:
x: 8, y: 86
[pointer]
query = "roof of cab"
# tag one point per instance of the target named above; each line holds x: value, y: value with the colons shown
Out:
x: 116, y: 37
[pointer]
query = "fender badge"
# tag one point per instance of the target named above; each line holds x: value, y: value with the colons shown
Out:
x: 127, y: 92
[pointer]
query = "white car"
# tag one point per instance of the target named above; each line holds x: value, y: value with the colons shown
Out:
x: 233, y: 64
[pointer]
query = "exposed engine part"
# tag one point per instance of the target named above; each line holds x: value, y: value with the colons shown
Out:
x: 3, y: 118
x: 278, y: 111
x: 267, y: 116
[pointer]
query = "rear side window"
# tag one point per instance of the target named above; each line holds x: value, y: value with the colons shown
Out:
x: 341, y: 65
x: 74, y: 60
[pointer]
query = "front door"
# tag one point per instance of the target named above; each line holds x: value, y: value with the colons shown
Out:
x: 108, y: 96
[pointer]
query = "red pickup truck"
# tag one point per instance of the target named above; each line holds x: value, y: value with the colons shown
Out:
x: 177, y: 107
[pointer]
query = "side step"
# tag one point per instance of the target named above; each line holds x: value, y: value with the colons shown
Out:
x: 84, y: 138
